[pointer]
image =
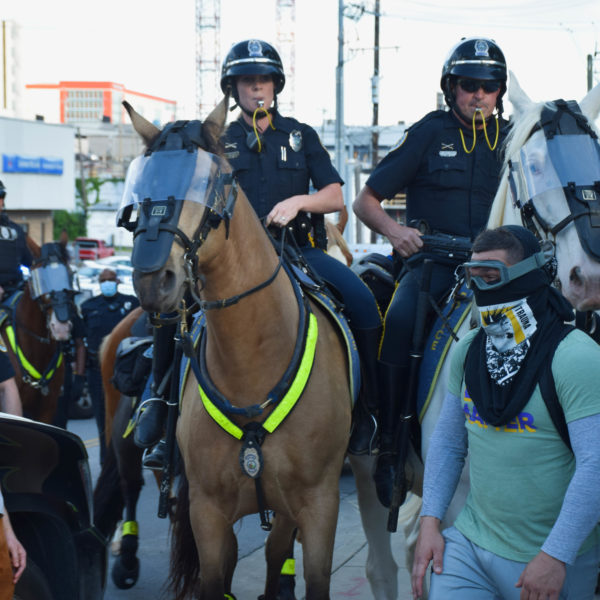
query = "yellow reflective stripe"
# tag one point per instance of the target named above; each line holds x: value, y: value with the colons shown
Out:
x: 130, y: 528
x: 31, y: 370
x: 219, y: 417
x: 289, y: 567
x: 287, y: 402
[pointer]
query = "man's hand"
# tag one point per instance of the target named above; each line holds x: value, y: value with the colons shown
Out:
x: 542, y: 578
x: 284, y: 212
x: 406, y: 240
x: 430, y: 546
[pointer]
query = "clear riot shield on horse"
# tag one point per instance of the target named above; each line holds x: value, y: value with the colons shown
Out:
x: 550, y: 185
x: 34, y: 322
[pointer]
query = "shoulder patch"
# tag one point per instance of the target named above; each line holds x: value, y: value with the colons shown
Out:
x: 399, y: 142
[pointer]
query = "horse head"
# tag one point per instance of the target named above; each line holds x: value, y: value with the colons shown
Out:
x: 50, y: 284
x: 552, y: 175
x: 181, y: 190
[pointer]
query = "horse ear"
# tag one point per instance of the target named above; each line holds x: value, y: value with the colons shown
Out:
x: 214, y: 125
x: 144, y: 128
x: 518, y: 98
x: 590, y: 105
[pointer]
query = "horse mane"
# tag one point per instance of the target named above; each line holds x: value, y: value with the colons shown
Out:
x: 336, y: 238
x: 34, y: 248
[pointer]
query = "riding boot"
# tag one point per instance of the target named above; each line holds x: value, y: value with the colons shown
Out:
x: 149, y: 427
x: 156, y: 457
x: 364, y: 422
x: 393, y: 381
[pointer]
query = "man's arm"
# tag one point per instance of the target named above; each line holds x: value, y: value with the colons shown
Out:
x: 445, y: 461
x: 367, y: 207
x: 10, y: 401
x: 579, y: 514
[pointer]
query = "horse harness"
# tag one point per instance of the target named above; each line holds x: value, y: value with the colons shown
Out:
x: 29, y: 374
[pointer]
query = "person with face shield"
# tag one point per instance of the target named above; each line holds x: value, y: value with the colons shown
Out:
x: 448, y: 164
x: 13, y: 251
x: 100, y: 315
x: 529, y: 528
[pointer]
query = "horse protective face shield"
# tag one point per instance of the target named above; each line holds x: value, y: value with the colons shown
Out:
x: 156, y: 186
x: 567, y: 163
x: 53, y: 279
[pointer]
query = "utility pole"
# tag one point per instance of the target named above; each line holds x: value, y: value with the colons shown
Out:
x: 590, y: 72
x: 339, y: 93
x: 375, y: 100
x: 83, y: 190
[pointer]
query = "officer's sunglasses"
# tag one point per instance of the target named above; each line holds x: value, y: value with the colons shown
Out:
x: 472, y: 85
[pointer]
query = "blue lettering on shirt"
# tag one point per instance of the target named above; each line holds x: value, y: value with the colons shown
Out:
x: 523, y: 422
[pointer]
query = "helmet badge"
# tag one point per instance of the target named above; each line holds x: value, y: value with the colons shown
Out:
x: 481, y: 48
x: 254, y: 48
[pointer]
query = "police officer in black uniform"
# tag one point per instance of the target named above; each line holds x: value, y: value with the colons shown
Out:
x: 449, y: 165
x: 275, y: 159
x: 13, y: 251
x: 100, y: 315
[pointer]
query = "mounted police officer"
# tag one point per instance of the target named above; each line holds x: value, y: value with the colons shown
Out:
x: 100, y: 315
x: 449, y: 165
x: 13, y: 251
x: 275, y: 159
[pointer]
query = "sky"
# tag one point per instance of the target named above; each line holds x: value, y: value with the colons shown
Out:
x: 149, y: 46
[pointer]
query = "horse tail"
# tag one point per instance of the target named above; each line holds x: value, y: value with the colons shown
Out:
x: 336, y: 238
x: 108, y: 497
x: 185, y: 565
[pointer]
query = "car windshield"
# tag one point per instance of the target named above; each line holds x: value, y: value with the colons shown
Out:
x: 89, y: 271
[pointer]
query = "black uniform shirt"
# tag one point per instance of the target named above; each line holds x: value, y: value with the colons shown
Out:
x: 101, y: 314
x: 6, y: 369
x: 450, y: 189
x: 13, y: 251
x: 292, y: 156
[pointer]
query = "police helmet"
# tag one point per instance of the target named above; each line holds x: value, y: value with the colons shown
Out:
x: 252, y: 57
x: 477, y: 58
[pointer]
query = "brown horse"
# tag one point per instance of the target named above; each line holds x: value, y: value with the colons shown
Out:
x: 34, y: 326
x: 247, y: 348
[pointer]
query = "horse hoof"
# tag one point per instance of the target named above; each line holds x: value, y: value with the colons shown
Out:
x: 125, y: 578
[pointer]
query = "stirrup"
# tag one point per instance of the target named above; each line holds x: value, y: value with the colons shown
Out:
x: 155, y: 458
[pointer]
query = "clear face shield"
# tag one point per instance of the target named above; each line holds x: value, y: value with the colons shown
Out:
x: 171, y: 176
x: 52, y: 277
x: 547, y: 166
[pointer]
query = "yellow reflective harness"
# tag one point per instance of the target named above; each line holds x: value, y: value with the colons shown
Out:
x: 29, y: 373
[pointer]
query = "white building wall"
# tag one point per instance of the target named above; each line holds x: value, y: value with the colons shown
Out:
x: 34, y: 140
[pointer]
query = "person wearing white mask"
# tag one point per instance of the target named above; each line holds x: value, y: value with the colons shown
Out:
x: 100, y: 315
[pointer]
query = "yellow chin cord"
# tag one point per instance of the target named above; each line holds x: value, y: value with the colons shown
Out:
x: 254, y: 124
x: 487, y: 139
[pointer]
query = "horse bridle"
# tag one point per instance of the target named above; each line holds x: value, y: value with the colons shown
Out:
x: 567, y: 116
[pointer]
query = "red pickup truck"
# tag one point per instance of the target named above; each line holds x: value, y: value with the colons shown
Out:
x: 92, y: 249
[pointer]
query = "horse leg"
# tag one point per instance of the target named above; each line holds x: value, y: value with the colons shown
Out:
x: 278, y: 547
x: 126, y: 567
x: 381, y: 568
x: 317, y: 523
x: 217, y: 548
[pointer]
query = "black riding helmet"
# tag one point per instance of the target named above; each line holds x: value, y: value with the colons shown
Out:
x: 477, y: 58
x: 251, y: 57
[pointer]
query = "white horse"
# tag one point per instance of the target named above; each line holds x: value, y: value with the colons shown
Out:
x: 579, y: 279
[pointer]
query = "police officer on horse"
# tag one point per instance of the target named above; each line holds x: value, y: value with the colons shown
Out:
x: 449, y: 165
x: 276, y: 159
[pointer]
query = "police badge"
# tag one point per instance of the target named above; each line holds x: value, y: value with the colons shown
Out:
x: 254, y: 48
x: 251, y: 459
x: 481, y: 48
x: 295, y: 140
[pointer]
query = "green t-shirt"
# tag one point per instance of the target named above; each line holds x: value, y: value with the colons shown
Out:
x: 520, y: 472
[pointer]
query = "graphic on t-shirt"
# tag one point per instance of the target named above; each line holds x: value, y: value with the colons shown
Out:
x: 523, y: 422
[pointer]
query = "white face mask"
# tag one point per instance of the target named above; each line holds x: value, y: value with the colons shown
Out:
x: 509, y: 324
x: 108, y: 288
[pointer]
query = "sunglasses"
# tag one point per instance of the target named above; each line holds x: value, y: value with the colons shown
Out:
x: 472, y: 85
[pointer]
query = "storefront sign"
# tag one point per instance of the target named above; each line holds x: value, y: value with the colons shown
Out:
x: 13, y: 163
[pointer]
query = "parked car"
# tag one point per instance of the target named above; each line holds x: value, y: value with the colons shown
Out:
x: 47, y: 489
x: 92, y: 249
x: 116, y: 260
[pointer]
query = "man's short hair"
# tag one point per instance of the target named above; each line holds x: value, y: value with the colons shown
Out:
x: 500, y: 239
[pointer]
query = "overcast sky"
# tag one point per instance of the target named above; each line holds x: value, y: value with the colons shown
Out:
x: 149, y: 45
